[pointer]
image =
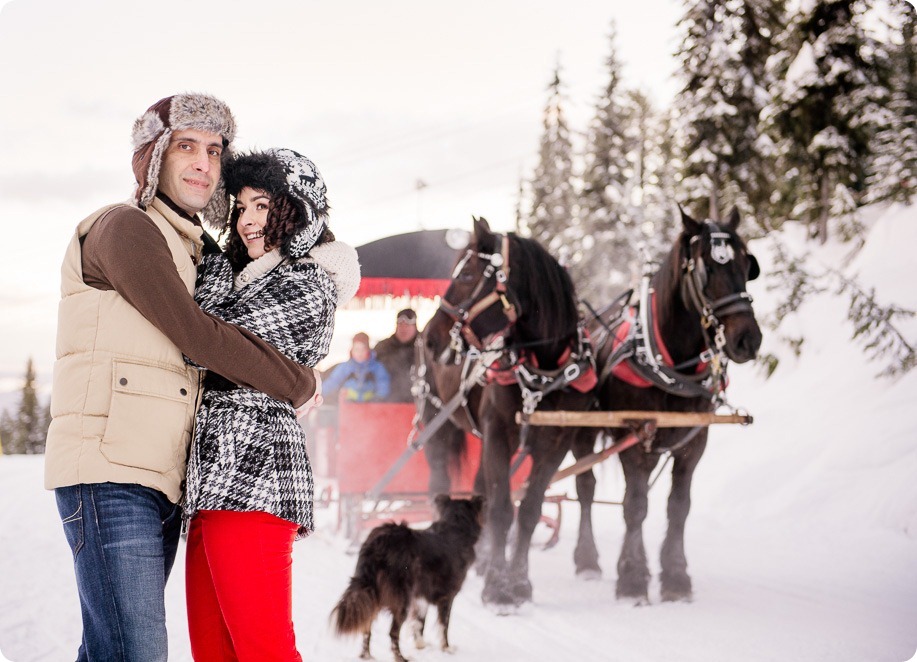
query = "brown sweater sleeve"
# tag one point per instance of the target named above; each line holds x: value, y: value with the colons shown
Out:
x: 126, y: 252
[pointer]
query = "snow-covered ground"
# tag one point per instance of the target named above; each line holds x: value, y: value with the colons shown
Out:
x: 802, y: 541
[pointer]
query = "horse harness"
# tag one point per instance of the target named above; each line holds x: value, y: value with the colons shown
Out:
x: 639, y: 355
x: 466, y: 312
x: 576, y: 369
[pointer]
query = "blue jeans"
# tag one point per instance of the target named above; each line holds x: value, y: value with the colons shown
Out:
x: 123, y: 539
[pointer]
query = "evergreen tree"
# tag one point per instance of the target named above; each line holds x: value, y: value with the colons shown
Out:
x: 27, y: 430
x: 552, y: 221
x: 517, y: 210
x: 893, y: 170
x: 653, y: 189
x: 726, y: 45
x: 605, y: 251
x: 6, y: 433
x: 825, y: 110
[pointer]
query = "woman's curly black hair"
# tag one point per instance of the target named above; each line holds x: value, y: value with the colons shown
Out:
x: 284, y: 220
x: 287, y: 215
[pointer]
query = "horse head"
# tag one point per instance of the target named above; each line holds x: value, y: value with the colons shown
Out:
x: 715, y: 266
x: 479, y: 307
x: 505, y: 290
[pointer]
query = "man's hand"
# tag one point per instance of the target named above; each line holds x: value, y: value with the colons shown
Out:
x: 316, y: 400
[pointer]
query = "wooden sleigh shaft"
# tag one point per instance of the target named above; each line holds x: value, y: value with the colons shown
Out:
x: 621, y: 419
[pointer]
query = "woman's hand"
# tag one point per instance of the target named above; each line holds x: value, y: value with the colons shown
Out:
x: 316, y: 400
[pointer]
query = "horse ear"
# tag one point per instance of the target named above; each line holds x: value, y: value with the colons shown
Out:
x: 691, y: 226
x: 481, y: 229
x: 733, y: 221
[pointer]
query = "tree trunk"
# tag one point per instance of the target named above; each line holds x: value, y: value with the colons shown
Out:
x: 714, y: 203
x: 823, y: 207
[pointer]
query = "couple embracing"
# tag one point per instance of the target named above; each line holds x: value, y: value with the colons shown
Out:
x: 181, y: 372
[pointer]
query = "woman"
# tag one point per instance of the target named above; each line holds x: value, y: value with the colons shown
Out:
x: 249, y: 487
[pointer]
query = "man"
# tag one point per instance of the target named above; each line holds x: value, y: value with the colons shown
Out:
x: 123, y: 398
x: 396, y: 353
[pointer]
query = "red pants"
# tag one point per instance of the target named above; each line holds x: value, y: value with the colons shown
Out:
x: 239, y: 587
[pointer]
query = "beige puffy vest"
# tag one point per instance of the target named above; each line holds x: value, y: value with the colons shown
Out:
x: 123, y: 399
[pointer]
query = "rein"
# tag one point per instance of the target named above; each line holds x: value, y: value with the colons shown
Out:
x: 463, y: 314
x: 513, y: 366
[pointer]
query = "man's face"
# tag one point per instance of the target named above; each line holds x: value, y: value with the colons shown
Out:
x: 405, y: 331
x: 191, y: 168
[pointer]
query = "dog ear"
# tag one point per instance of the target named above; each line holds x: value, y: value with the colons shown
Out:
x: 478, y: 502
x: 440, y: 501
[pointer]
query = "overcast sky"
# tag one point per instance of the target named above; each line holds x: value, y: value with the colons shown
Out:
x: 378, y: 94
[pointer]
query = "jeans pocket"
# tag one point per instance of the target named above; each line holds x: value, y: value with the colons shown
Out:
x: 70, y: 507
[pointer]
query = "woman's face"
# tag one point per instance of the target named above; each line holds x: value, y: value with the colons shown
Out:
x: 253, y: 206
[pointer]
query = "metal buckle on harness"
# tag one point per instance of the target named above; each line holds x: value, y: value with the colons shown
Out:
x: 571, y: 372
x: 720, y: 337
x: 530, y: 400
x: 706, y: 356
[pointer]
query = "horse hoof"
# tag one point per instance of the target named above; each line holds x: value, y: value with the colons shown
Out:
x: 589, y: 574
x: 627, y: 591
x: 671, y: 595
x: 496, y: 594
x: 675, y: 589
x: 521, y: 592
x: 501, y: 609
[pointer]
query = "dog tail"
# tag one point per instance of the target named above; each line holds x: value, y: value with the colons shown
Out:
x: 357, y: 608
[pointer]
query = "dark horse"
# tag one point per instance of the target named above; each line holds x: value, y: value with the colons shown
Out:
x: 508, y: 294
x: 698, y: 314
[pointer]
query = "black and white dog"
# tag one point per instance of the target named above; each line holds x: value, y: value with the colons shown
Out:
x: 405, y: 570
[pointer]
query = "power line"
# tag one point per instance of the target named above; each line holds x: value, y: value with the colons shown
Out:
x: 445, y: 183
x: 408, y: 139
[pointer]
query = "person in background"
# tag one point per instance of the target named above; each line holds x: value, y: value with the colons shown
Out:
x: 249, y: 489
x: 123, y: 399
x: 396, y: 353
x: 360, y: 379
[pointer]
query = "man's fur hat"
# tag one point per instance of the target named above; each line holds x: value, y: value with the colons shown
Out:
x: 153, y: 131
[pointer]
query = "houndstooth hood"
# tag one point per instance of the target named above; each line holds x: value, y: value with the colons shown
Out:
x: 284, y: 172
x: 153, y: 130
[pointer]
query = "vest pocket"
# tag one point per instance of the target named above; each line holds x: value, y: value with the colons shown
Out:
x: 149, y: 420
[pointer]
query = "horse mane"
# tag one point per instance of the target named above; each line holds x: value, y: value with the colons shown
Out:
x: 667, y: 280
x: 547, y: 297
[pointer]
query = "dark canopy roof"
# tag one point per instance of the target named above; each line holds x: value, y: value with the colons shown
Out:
x: 415, y: 263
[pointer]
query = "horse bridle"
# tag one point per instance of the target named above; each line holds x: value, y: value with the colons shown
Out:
x: 694, y: 287
x: 464, y: 313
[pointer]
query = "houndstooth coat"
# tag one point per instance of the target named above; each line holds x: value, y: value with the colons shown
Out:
x: 249, y: 451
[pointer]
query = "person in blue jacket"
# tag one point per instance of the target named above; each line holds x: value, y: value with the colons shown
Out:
x: 361, y: 379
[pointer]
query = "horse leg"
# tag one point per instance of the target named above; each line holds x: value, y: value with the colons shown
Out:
x: 544, y: 466
x: 443, y: 450
x: 674, y: 579
x: 633, y: 574
x: 585, y: 556
x: 498, y: 440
